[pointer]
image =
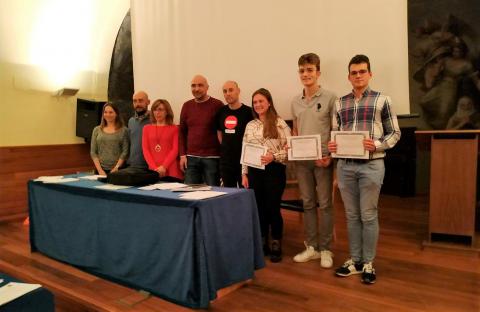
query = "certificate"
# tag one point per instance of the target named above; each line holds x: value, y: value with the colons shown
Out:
x: 304, y: 147
x: 350, y: 144
x: 251, y: 155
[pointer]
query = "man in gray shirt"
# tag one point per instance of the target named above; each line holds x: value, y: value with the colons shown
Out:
x: 312, y: 112
x: 135, y: 126
x: 137, y: 172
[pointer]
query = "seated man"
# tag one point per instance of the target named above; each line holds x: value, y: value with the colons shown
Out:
x: 137, y: 172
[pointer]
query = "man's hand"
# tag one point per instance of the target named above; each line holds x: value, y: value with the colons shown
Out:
x: 369, y: 145
x: 183, y: 163
x: 323, y: 162
x: 332, y: 147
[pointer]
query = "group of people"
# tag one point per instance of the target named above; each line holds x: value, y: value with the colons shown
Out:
x: 206, y: 148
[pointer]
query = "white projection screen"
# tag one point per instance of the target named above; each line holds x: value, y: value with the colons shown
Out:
x: 257, y: 43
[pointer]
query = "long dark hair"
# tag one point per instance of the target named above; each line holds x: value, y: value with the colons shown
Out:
x: 118, y: 119
x: 270, y: 124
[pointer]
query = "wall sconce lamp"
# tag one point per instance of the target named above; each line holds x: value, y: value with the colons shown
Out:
x: 66, y: 92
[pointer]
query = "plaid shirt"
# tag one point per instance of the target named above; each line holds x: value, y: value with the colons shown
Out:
x: 372, y: 113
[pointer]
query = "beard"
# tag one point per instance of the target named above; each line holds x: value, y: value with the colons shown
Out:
x: 140, y: 111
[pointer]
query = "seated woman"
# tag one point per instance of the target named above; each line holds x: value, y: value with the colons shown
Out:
x: 160, y: 142
x: 109, y: 144
x: 269, y: 130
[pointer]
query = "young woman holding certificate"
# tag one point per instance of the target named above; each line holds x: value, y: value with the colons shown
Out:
x: 270, y: 131
x: 160, y: 142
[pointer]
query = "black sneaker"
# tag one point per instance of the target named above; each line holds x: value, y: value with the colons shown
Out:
x: 368, y: 274
x: 276, y: 251
x: 349, y: 267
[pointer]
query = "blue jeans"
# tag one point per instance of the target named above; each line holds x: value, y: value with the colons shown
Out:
x: 360, y: 184
x: 202, y: 170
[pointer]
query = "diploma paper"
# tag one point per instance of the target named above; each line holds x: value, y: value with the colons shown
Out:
x: 305, y: 147
x: 201, y: 195
x: 251, y: 155
x: 93, y: 177
x: 13, y: 290
x: 350, y: 144
x: 112, y: 187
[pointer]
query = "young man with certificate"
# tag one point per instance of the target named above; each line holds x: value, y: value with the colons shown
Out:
x: 312, y: 112
x: 360, y: 180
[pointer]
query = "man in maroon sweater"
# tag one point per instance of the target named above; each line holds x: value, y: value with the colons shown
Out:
x: 198, y: 143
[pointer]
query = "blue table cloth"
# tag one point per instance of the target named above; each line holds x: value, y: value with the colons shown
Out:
x: 38, y: 300
x: 180, y: 250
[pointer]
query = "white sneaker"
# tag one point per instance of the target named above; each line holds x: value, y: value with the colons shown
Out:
x: 326, y: 259
x: 308, y: 254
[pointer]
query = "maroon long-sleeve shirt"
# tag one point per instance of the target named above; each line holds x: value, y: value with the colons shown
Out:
x: 198, y: 132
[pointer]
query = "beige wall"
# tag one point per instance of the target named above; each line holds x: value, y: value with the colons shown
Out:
x: 238, y: 40
x: 46, y: 45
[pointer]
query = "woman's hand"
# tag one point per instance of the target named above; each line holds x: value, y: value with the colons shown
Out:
x: 245, y: 180
x: 268, y: 158
x: 161, y: 171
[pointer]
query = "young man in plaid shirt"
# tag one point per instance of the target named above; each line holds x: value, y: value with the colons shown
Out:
x: 360, y: 180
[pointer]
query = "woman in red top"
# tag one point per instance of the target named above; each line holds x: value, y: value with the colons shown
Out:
x: 160, y: 142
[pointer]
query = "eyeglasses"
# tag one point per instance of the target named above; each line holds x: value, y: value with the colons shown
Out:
x: 360, y: 72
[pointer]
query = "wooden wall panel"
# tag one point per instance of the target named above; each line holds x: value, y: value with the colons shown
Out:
x: 18, y: 164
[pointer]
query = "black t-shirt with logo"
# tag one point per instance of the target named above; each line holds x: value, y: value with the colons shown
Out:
x: 232, y: 124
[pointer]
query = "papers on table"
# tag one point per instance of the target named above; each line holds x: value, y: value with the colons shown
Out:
x: 162, y: 186
x: 12, y: 291
x: 176, y: 187
x: 148, y: 187
x: 201, y: 195
x: 169, y: 186
x: 55, y: 179
x: 350, y: 144
x: 93, y: 177
x: 251, y: 155
x: 112, y: 187
x: 304, y: 147
x: 192, y: 188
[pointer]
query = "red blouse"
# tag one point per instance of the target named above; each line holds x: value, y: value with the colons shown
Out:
x: 160, y: 148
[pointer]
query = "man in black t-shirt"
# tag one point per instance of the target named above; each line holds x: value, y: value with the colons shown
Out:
x: 231, y: 122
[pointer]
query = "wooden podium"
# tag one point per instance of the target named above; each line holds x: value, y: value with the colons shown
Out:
x: 453, y: 185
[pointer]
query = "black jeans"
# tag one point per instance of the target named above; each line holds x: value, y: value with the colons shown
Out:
x: 231, y: 175
x: 268, y: 186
